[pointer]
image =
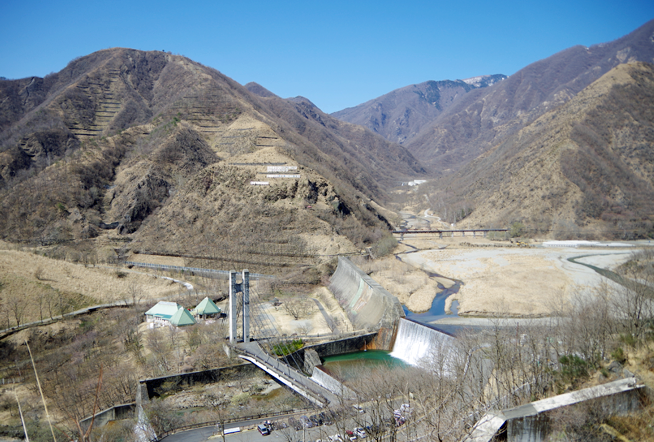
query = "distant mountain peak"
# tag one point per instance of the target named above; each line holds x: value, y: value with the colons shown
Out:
x: 400, y: 115
x: 484, y: 80
x: 259, y: 90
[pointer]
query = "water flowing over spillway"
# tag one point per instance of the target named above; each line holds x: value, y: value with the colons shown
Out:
x: 415, y: 342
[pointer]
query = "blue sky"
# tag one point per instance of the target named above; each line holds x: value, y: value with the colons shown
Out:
x: 336, y: 53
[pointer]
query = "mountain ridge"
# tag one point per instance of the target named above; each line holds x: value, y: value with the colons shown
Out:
x: 584, y: 169
x: 484, y: 117
x: 139, y: 138
x: 399, y: 114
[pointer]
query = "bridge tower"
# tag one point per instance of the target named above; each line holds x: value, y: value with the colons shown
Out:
x: 234, y: 289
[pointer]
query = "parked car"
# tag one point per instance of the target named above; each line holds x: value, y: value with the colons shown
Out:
x: 294, y: 423
x: 358, y: 408
x: 361, y: 433
x: 326, y: 418
x: 279, y: 425
x: 263, y: 429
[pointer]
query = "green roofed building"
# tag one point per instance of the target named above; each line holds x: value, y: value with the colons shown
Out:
x: 205, y: 308
x: 182, y: 317
x: 165, y: 312
x: 162, y: 311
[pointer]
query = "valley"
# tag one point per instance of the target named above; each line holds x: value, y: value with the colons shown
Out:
x: 127, y: 158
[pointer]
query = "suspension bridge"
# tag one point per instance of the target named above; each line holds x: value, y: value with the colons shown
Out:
x: 259, y: 342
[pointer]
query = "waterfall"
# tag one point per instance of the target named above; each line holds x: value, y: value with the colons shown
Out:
x: 415, y: 342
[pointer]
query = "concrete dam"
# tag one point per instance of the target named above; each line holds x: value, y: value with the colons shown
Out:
x: 367, y: 304
x: 416, y: 342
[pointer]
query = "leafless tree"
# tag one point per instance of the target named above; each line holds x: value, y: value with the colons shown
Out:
x: 298, y: 308
x: 16, y: 304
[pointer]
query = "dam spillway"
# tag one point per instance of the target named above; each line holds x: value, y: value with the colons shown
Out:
x: 415, y: 342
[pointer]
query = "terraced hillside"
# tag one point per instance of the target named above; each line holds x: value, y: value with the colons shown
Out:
x: 159, y: 153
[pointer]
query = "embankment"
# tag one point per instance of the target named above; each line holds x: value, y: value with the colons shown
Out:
x: 367, y: 304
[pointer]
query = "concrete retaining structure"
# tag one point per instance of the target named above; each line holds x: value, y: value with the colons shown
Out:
x: 324, y: 378
x: 332, y: 348
x: 114, y: 413
x: 532, y: 422
x: 155, y: 387
x: 367, y: 304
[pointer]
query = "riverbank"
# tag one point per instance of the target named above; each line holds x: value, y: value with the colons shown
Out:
x: 509, y: 281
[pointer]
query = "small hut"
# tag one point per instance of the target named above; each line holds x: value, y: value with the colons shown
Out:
x: 206, y: 309
x: 182, y: 317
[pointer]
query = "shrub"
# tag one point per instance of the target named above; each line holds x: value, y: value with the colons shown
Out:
x: 517, y: 229
x: 285, y: 348
x: 240, y: 398
x: 619, y: 355
x: 573, y: 368
x: 384, y: 246
x: 628, y: 339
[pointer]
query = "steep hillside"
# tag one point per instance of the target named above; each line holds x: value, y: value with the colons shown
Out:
x: 585, y: 168
x: 163, y: 150
x: 400, y: 115
x: 485, y: 117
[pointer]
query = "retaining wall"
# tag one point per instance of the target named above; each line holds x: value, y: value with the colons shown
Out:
x: 533, y: 422
x: 155, y: 387
x: 324, y: 378
x: 332, y: 348
x: 537, y: 426
x: 114, y: 413
x: 366, y: 302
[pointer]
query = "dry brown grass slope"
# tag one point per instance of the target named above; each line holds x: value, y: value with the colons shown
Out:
x: 485, y: 117
x: 586, y: 167
x: 147, y: 140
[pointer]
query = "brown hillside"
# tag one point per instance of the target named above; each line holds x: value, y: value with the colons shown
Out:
x: 400, y: 115
x: 485, y: 117
x: 585, y: 168
x: 146, y: 140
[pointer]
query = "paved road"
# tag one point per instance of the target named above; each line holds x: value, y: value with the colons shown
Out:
x: 206, y: 433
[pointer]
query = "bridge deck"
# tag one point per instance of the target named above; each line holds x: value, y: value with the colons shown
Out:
x: 295, y: 380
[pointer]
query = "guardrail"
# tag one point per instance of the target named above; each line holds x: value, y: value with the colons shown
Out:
x: 190, y: 269
x: 309, y: 389
x: 11, y: 381
x: 234, y: 419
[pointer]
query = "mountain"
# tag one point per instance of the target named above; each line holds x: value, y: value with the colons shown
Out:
x: 165, y: 150
x: 259, y: 90
x: 584, y: 169
x: 400, y: 115
x: 484, y: 117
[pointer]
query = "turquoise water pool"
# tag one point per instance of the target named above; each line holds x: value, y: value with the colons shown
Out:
x: 350, y: 365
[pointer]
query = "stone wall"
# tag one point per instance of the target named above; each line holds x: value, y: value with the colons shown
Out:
x: 366, y: 302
